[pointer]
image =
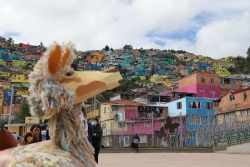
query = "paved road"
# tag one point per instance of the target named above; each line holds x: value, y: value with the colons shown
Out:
x: 173, y: 160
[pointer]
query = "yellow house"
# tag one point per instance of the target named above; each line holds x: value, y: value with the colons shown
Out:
x: 23, y: 128
x: 4, y: 72
x: 90, y: 111
x: 18, y: 63
x: 113, y: 118
x: 5, y: 85
x: 160, y: 79
x: 223, y: 72
x: 108, y: 123
x: 18, y: 52
x: 1, y: 62
x: 168, y: 83
x: 97, y: 57
x: 19, y: 78
x: 23, y: 92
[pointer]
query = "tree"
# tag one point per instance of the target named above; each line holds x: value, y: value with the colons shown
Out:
x: 41, y: 43
x: 75, y: 65
x: 3, y: 122
x: 129, y: 47
x: 241, y: 65
x: 23, y: 112
x: 10, y: 42
x: 106, y: 48
x: 248, y: 52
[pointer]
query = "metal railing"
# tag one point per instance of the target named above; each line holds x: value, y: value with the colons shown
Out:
x: 232, y: 138
x: 187, y: 131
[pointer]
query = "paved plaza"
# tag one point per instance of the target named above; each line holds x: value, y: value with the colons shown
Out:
x: 173, y: 160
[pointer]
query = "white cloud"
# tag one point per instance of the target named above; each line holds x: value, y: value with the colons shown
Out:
x: 225, y: 37
x: 93, y: 24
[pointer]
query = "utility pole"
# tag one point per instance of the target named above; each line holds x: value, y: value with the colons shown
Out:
x: 12, y: 93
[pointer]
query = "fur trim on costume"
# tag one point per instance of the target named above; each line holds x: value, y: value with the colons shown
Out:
x: 56, y: 94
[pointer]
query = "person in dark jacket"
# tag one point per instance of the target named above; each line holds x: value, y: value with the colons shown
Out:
x: 96, y: 137
x: 90, y: 132
x: 136, y: 141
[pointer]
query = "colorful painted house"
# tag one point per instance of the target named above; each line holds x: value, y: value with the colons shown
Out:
x: 7, y: 97
x: 18, y: 63
x: 199, y: 84
x: 125, y: 117
x: 4, y: 72
x: 233, y: 106
x: 19, y: 78
x: 197, y: 111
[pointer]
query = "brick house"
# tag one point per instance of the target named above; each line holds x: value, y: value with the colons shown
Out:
x: 199, y: 84
x: 233, y: 106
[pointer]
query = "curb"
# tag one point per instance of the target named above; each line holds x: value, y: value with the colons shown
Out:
x: 157, y: 150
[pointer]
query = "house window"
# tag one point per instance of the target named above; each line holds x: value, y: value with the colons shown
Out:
x: 146, y: 125
x: 216, y: 104
x: 245, y: 96
x: 209, y: 105
x: 209, y: 120
x: 179, y: 105
x: 202, y: 80
x: 115, y: 108
x: 231, y: 97
x: 121, y: 124
x: 195, y: 120
x: 189, y: 134
x: 194, y: 104
x: 244, y: 112
x: 104, y: 126
x: 229, y: 117
x: 130, y: 125
x: 212, y: 80
x: 104, y: 109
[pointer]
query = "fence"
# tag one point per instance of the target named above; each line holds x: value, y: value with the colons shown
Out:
x: 171, y: 131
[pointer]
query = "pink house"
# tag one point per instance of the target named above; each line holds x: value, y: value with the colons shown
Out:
x: 199, y: 84
x: 26, y: 47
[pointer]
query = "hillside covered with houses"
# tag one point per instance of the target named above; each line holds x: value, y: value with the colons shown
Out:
x: 144, y: 70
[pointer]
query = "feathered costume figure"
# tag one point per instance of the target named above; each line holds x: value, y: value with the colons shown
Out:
x: 56, y: 94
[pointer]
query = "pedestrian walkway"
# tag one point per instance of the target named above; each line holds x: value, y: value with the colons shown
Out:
x: 173, y: 160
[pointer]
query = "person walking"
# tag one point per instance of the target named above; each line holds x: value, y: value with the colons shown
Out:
x: 136, y: 141
x: 96, y: 137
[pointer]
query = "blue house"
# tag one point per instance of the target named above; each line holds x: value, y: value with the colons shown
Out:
x: 197, y: 111
x: 7, y: 96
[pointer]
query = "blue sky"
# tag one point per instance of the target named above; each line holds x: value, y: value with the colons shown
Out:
x: 210, y: 28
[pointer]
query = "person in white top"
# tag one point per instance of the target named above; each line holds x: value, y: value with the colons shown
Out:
x: 84, y: 123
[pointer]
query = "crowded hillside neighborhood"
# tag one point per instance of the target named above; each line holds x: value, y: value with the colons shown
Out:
x: 156, y: 84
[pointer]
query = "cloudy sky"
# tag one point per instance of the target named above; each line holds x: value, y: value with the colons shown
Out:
x: 215, y: 28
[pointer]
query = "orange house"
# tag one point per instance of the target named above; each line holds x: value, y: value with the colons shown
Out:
x: 233, y: 106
